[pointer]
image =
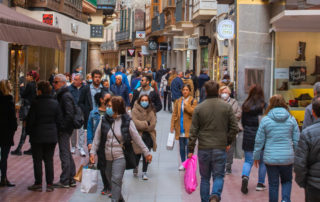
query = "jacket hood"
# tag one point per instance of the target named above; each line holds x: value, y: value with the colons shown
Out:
x: 279, y: 114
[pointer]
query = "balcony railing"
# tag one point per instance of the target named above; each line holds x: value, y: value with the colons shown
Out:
x: 204, y: 5
x: 178, y: 12
x: 162, y: 21
x: 158, y: 23
x: 122, y: 36
x: 168, y: 4
x: 108, y: 46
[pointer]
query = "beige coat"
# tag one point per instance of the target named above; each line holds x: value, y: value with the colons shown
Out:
x: 141, y: 117
x: 187, y: 116
x: 237, y: 111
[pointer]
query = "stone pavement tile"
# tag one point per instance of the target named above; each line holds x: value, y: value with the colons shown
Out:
x: 163, y: 197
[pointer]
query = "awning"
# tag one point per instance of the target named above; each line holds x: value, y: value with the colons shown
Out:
x: 296, y: 21
x: 23, y: 30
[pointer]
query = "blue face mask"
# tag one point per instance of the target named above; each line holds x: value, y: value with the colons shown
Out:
x: 80, y: 72
x: 109, y: 111
x: 90, y: 80
x: 144, y: 104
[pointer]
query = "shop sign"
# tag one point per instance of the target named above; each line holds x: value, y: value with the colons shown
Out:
x: 281, y: 73
x: 75, y: 45
x: 47, y: 18
x: 153, y: 45
x: 140, y: 34
x: 179, y: 43
x: 297, y: 73
x: 193, y: 43
x: 144, y: 50
x: 131, y: 52
x: 253, y: 76
x: 163, y: 46
x: 204, y: 40
x: 226, y: 29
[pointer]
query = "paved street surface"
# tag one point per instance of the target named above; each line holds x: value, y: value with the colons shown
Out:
x: 165, y: 182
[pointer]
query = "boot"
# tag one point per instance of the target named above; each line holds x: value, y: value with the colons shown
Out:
x: 317, y: 66
x: 5, y: 183
x: 302, y: 51
x: 283, y: 87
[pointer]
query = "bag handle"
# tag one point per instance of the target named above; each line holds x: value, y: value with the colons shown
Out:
x: 116, y: 136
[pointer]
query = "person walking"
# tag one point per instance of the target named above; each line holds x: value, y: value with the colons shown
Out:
x: 225, y: 93
x: 67, y: 105
x: 119, y: 71
x: 28, y: 94
x: 187, y: 80
x: 43, y: 123
x: 95, y: 116
x: 8, y: 124
x: 77, y: 134
x: 145, y: 120
x: 195, y: 83
x: 215, y: 126
x: 176, y: 87
x: 111, y: 133
x: 278, y: 133
x: 252, y: 110
x: 120, y: 89
x: 165, y: 92
x: 308, y: 115
x: 181, y: 120
x: 307, y: 161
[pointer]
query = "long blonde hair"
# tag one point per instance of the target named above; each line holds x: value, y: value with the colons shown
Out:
x: 5, y: 87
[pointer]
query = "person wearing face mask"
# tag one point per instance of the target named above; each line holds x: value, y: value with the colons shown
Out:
x: 95, y: 116
x: 225, y: 93
x: 145, y: 119
x: 181, y: 120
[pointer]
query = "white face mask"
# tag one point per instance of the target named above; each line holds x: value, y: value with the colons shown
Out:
x: 225, y: 96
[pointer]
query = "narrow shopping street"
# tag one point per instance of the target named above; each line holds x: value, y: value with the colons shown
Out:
x: 165, y: 182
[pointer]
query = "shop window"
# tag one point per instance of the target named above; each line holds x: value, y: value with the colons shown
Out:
x: 204, y: 58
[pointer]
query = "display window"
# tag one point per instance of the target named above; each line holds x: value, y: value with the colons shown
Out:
x: 296, y: 69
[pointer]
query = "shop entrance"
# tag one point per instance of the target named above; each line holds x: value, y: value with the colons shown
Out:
x: 123, y: 60
x: 75, y: 59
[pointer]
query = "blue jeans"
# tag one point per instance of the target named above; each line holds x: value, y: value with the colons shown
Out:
x: 285, y: 174
x: 211, y: 162
x: 183, y: 144
x: 248, y: 162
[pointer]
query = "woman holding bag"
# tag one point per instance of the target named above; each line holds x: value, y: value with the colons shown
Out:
x: 181, y: 120
x: 112, y: 132
x: 145, y: 119
x: 278, y: 133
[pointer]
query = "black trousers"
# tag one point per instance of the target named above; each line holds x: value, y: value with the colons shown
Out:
x: 4, y: 161
x: 45, y: 152
x: 145, y: 163
x: 312, y: 194
x: 167, y: 98
x: 22, y: 137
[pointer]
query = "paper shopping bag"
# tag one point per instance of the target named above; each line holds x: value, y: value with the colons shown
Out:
x: 78, y: 175
x: 89, y: 183
x: 170, y: 142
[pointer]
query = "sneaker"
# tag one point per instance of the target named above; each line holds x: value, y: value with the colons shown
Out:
x: 260, y: 187
x: 16, y: 152
x: 35, y: 187
x: 73, y: 150
x: 73, y: 183
x: 135, y: 172
x: 214, y: 198
x: 105, y: 191
x: 181, y: 168
x: 244, y: 185
x: 228, y: 171
x: 82, y: 152
x: 60, y: 185
x: 28, y: 152
x: 144, y: 176
x: 49, y: 188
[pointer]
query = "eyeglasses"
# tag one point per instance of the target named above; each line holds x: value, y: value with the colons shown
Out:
x: 55, y: 82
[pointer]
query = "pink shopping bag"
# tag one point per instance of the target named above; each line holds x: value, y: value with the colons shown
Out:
x: 190, y: 176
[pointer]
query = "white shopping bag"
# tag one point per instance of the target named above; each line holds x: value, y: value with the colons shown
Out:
x: 170, y: 142
x: 89, y: 183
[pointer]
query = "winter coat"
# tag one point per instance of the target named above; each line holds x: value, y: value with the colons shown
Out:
x: 67, y: 104
x: 113, y: 150
x: 154, y: 97
x: 237, y: 111
x: 124, y: 79
x: 190, y: 83
x: 122, y: 91
x: 8, y: 120
x: 307, y: 158
x: 195, y: 82
x: 176, y: 87
x: 44, y: 120
x: 93, y: 122
x: 145, y: 120
x: 278, y: 135
x: 214, y: 125
x: 202, y: 79
x: 29, y: 93
x: 187, y: 116
x: 75, y: 92
x: 250, y: 123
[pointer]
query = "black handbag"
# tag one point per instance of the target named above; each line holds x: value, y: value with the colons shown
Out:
x: 128, y: 152
x: 146, y: 137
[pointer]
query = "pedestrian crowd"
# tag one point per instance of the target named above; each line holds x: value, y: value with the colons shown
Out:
x: 110, y: 115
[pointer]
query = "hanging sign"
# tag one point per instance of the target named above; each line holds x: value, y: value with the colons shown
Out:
x: 204, y: 40
x: 47, y: 18
x: 226, y: 29
x: 140, y: 34
x: 131, y: 52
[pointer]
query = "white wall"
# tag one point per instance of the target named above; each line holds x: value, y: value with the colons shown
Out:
x: 4, y: 60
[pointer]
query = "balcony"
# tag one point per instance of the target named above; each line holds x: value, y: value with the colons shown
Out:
x: 109, y: 46
x: 178, y: 12
x: 158, y: 23
x: 204, y: 10
x: 123, y: 36
x: 168, y: 4
x: 107, y: 6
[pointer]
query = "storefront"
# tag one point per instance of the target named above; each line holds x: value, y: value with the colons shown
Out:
x: 296, y: 59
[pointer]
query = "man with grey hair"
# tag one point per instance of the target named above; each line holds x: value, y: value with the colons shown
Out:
x: 120, y: 89
x: 124, y: 77
x: 75, y: 88
x: 67, y: 104
x: 308, y: 117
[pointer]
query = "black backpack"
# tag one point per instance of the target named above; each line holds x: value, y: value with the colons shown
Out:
x: 78, y: 119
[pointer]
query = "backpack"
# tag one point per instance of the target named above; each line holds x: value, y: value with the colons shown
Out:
x: 78, y: 119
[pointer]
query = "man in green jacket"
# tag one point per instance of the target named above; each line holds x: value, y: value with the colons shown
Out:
x: 215, y: 126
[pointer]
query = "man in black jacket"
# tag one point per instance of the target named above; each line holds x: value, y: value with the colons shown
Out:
x: 307, y: 158
x: 67, y: 106
x: 146, y: 89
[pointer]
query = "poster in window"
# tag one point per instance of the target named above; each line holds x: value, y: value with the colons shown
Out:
x: 297, y: 73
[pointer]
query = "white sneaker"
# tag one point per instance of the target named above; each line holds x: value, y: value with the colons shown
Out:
x: 73, y: 150
x: 181, y: 168
x: 144, y: 176
x: 82, y: 152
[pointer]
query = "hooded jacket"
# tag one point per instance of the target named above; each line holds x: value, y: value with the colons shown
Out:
x: 278, y: 135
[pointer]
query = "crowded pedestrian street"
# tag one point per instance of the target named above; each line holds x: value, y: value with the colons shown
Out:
x: 165, y: 182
